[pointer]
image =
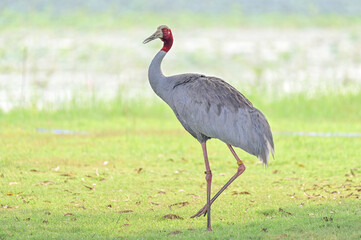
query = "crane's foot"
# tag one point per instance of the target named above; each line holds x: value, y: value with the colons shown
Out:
x: 201, y: 212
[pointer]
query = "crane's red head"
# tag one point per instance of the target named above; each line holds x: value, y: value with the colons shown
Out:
x: 165, y: 34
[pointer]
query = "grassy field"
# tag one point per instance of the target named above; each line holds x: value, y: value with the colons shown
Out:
x: 127, y: 165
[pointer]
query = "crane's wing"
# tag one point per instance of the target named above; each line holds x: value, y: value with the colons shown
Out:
x: 208, y: 107
x: 220, y: 92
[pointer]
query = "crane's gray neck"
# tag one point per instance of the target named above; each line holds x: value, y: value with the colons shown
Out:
x: 157, y: 80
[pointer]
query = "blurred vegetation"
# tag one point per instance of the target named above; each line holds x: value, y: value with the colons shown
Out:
x: 108, y: 20
x: 292, y: 109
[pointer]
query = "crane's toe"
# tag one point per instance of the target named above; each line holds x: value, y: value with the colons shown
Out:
x: 201, y: 212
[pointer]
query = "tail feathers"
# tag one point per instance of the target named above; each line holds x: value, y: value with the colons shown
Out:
x: 262, y: 139
x: 264, y: 156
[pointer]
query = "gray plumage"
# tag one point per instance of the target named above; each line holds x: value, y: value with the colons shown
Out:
x: 208, y: 107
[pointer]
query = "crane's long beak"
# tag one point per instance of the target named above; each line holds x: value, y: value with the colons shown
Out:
x: 157, y: 34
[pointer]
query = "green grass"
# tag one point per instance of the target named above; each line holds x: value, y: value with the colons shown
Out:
x: 109, y: 20
x: 119, y: 177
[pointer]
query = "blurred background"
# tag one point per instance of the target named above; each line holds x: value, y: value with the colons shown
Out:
x: 56, y: 53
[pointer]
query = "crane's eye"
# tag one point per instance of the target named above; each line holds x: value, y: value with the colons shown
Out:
x: 165, y: 32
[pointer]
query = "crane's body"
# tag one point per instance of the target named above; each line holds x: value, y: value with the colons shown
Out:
x: 208, y: 107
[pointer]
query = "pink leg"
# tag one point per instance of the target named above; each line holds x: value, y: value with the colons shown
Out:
x: 240, y: 170
x: 209, y: 182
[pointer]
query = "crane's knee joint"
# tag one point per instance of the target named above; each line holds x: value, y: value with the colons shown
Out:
x: 239, y: 162
x: 208, y: 176
x: 241, y: 169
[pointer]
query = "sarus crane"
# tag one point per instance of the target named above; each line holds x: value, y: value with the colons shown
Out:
x: 209, y: 107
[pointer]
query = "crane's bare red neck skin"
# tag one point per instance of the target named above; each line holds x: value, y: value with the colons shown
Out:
x: 167, y: 39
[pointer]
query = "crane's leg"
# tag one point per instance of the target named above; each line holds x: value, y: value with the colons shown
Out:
x: 240, y: 170
x: 209, y: 181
